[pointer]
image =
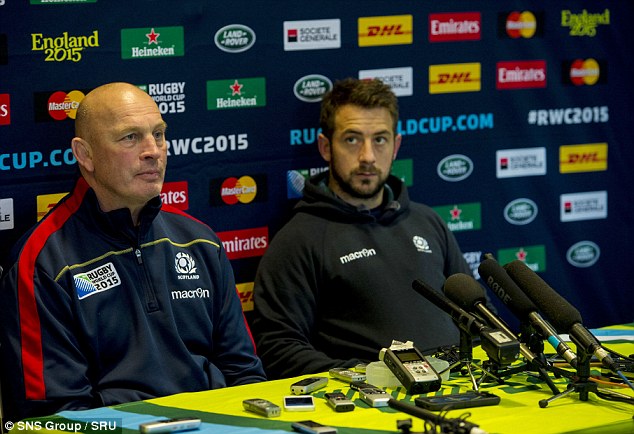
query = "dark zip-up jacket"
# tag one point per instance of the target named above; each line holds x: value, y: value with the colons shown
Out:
x: 97, y: 312
x: 335, y: 285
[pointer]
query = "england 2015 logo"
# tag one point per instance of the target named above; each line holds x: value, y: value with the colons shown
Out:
x: 185, y: 267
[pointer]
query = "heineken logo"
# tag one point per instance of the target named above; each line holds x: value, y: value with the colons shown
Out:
x: 236, y: 93
x: 454, y: 168
x: 143, y: 43
x: 583, y: 254
x: 234, y: 38
x: 520, y: 211
x: 312, y: 88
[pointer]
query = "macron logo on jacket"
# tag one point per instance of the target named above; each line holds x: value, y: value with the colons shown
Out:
x: 364, y: 253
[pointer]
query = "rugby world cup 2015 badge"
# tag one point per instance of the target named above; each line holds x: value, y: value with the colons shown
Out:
x: 99, y: 279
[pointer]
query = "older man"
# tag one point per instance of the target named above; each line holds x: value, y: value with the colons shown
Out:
x: 114, y: 296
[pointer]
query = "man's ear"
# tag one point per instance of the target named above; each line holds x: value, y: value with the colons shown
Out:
x: 324, y: 147
x: 397, y: 145
x: 83, y: 153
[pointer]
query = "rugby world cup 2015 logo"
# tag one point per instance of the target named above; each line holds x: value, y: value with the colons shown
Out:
x: 97, y: 280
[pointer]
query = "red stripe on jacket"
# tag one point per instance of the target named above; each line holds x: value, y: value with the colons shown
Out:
x: 30, y: 329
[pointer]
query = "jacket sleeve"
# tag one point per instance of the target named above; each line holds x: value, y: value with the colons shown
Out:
x: 43, y: 368
x: 285, y: 308
x: 234, y: 349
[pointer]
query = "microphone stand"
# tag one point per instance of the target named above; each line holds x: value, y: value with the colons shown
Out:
x: 466, y: 361
x: 581, y: 383
x: 534, y: 342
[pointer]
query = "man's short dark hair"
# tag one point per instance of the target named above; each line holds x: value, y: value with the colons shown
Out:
x: 371, y: 93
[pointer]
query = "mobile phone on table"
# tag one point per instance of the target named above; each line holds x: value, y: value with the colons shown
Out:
x: 339, y: 402
x: 170, y: 425
x: 299, y: 403
x: 262, y: 407
x: 453, y: 401
x: 347, y: 375
x: 312, y: 427
x: 307, y: 385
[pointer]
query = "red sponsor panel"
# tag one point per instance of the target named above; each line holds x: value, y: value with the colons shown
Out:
x: 245, y: 243
x: 176, y: 194
x: 521, y: 74
x: 456, y: 26
x: 5, y: 109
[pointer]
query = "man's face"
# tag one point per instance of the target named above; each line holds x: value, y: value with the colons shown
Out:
x: 129, y: 153
x: 361, y: 153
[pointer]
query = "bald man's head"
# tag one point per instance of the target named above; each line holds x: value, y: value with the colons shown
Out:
x: 100, y: 104
x: 120, y: 146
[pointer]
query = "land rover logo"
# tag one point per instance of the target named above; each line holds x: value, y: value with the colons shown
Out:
x: 234, y: 38
x: 455, y: 168
x: 311, y: 88
x: 583, y: 254
x: 520, y: 211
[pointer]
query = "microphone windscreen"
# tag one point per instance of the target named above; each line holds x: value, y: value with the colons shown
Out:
x: 556, y: 308
x: 464, y: 290
x: 506, y: 289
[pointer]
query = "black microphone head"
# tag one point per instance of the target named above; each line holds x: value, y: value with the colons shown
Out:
x: 506, y: 289
x: 464, y: 290
x: 561, y: 313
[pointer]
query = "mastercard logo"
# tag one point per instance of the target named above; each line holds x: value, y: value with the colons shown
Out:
x: 234, y: 190
x: 62, y: 105
x: 584, y: 72
x: 521, y: 24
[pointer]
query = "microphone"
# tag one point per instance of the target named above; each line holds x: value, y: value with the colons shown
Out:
x: 449, y: 425
x: 498, y: 345
x: 563, y: 315
x: 512, y: 296
x: 465, y: 291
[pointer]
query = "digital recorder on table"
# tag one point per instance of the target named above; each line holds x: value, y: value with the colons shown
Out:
x: 411, y: 368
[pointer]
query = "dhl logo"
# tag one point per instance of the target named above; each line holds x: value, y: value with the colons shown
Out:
x: 591, y: 157
x: 386, y: 30
x: 457, y: 77
x: 46, y: 202
x: 245, y: 292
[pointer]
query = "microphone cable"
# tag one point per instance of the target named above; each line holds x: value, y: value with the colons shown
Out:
x: 447, y: 425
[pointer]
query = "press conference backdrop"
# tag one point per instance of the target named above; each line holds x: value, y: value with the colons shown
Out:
x: 516, y: 118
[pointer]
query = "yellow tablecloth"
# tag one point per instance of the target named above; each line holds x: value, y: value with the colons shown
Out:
x: 222, y: 411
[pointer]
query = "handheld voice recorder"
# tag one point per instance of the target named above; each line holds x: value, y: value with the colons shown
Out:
x: 347, y: 375
x: 170, y: 425
x: 412, y: 369
x: 339, y: 402
x: 370, y: 394
x: 312, y: 427
x: 262, y: 407
x: 307, y: 385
